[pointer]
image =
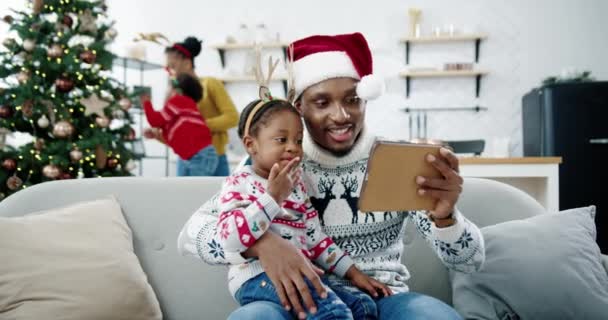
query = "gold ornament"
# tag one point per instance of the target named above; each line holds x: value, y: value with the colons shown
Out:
x: 75, y: 155
x: 51, y: 171
x: 100, y: 157
x: 88, y: 56
x: 37, y: 6
x: 154, y: 37
x: 125, y: 103
x: 28, y: 108
x: 87, y: 22
x: 23, y: 77
x: 55, y: 51
x: 43, y: 122
x: 111, y: 34
x: 39, y: 144
x: 14, y: 183
x: 29, y: 45
x: 102, y: 121
x: 93, y: 105
x: 63, y: 129
x: 9, y: 43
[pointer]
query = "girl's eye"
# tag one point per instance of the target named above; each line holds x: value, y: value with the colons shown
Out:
x: 281, y: 140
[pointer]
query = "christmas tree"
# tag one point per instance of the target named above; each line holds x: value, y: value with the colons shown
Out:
x: 56, y: 85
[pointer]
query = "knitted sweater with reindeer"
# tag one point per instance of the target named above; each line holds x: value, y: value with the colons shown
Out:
x: 247, y: 211
x: 374, y: 240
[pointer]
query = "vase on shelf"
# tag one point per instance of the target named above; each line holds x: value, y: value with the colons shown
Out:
x: 414, y: 20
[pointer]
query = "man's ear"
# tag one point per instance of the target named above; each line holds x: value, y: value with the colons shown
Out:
x: 250, y: 145
x: 298, y: 105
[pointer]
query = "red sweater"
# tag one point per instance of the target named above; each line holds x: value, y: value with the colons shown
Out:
x: 183, y: 127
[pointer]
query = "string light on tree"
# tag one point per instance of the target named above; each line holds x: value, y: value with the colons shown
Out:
x: 59, y: 55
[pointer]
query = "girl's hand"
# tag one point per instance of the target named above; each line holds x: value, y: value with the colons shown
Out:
x: 366, y: 283
x: 287, y: 268
x: 281, y: 182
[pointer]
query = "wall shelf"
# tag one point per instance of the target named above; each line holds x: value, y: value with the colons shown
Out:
x: 245, y: 78
x: 223, y: 47
x: 477, y: 74
x: 448, y: 109
x: 441, y: 39
x: 141, y: 66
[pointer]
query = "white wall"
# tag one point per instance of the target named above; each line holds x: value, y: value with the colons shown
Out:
x: 527, y: 42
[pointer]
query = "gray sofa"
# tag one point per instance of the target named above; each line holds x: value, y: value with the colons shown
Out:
x: 157, y: 208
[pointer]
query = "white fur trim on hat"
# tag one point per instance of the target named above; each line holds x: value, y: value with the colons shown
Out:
x: 370, y: 87
x: 321, y: 66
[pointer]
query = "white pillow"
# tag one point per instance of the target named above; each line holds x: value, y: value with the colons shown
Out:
x: 75, y: 262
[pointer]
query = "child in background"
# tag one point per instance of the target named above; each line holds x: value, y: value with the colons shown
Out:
x: 183, y: 128
x: 268, y: 195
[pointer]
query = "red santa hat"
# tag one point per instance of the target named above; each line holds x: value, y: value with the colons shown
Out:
x: 319, y: 58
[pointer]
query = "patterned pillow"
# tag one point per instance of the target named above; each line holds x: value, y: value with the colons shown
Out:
x: 545, y: 267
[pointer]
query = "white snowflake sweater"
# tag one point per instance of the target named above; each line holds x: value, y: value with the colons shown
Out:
x: 374, y: 240
x: 247, y: 212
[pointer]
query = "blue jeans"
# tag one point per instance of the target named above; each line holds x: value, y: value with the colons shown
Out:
x: 222, y: 170
x: 339, y: 304
x: 203, y: 163
x: 401, y: 306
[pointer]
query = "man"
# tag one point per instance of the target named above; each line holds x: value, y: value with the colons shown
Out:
x: 333, y: 81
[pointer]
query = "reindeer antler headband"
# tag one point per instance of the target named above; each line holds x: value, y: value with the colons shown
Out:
x: 264, y: 83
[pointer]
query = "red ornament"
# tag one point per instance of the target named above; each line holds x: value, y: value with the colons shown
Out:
x: 64, y: 84
x: 131, y: 135
x: 67, y: 21
x: 88, y: 56
x: 6, y: 112
x: 55, y: 51
x: 112, y: 163
x: 65, y: 176
x: 14, y: 183
x: 9, y: 164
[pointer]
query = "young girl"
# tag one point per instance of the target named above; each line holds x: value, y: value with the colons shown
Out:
x: 269, y: 196
x: 183, y: 127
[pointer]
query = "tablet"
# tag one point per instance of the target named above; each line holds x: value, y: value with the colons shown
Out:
x: 390, y: 180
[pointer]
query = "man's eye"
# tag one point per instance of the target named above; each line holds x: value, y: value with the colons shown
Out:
x: 321, y: 103
x: 353, y: 100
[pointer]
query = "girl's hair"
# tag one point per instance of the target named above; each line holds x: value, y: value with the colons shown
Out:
x: 263, y: 115
x: 189, y: 86
x: 193, y: 48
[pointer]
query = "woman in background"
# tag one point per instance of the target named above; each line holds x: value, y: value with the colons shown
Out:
x: 216, y: 107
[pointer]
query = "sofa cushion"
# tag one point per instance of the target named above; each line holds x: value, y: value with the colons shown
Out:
x: 75, y: 262
x: 543, y: 267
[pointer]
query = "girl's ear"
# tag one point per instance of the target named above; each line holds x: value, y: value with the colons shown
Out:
x: 250, y: 145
